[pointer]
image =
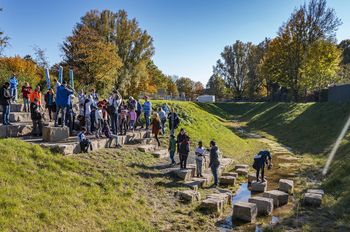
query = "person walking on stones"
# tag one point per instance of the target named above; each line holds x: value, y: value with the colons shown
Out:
x: 184, y: 150
x: 172, y: 149
x: 174, y: 121
x: 162, y: 116
x: 214, y: 162
x: 50, y: 102
x: 200, y: 157
x: 5, y: 99
x: 13, y: 87
x: 62, y: 102
x: 260, y: 159
x: 84, y: 142
x: 36, y: 116
x: 156, y: 126
x: 26, y: 89
x: 147, y: 110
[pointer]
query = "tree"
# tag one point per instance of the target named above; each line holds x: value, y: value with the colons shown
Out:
x: 216, y: 86
x: 40, y: 57
x: 345, y: 47
x: 198, y: 88
x: 3, y: 40
x: 185, y: 85
x: 96, y: 60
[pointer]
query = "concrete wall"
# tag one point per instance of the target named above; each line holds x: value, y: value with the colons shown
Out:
x: 340, y: 93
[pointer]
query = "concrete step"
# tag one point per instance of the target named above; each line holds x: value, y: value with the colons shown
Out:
x: 161, y: 153
x: 15, y: 107
x: 15, y: 130
x: 188, y: 195
x: 19, y: 117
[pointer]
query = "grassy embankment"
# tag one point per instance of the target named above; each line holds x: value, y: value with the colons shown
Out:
x: 108, y: 190
x: 310, y: 130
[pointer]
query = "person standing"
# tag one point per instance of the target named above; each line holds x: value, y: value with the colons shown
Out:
x: 49, y: 102
x: 133, y: 118
x: 138, y: 114
x: 147, y: 110
x: 13, y: 87
x: 214, y: 162
x: 262, y: 158
x: 35, y: 94
x: 26, y: 89
x: 156, y: 126
x: 35, y: 113
x: 174, y: 121
x: 87, y: 113
x: 184, y: 150
x: 162, y: 116
x: 5, y: 99
x: 62, y: 103
x: 114, y: 103
x: 172, y: 149
x: 200, y: 156
x: 98, y: 121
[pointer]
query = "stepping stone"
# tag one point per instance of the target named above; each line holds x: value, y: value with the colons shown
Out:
x: 226, y: 197
x: 264, y: 204
x: 227, y: 180
x: 208, y: 176
x: 279, y: 198
x: 194, y: 185
x: 55, y: 134
x: 251, y: 178
x: 226, y: 162
x: 245, y: 211
x: 242, y: 171
x: 316, y: 191
x: 213, y: 205
x: 183, y: 174
x: 234, y: 174
x: 312, y: 199
x: 259, y: 186
x: 161, y: 154
x: 19, y: 117
x: 241, y: 166
x: 189, y: 195
x: 146, y: 148
x: 286, y: 186
x: 201, y: 181
x: 193, y: 168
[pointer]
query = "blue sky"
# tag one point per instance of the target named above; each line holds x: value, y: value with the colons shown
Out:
x: 188, y: 34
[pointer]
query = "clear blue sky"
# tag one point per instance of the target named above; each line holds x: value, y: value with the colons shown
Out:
x: 188, y: 34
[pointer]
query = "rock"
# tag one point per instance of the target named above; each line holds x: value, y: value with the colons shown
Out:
x: 259, y: 186
x: 193, y: 168
x: 15, y: 130
x: 183, y: 174
x: 242, y: 171
x: 234, y: 174
x: 213, y: 205
x: 160, y: 154
x: 241, y: 166
x: 194, y: 185
x: 251, y: 178
x: 226, y: 197
x: 312, y: 199
x: 55, y: 134
x: 286, y: 186
x: 264, y: 205
x: 279, y: 198
x: 189, y: 195
x: 19, y: 117
x: 227, y: 180
x: 146, y: 148
x: 316, y: 191
x: 245, y: 211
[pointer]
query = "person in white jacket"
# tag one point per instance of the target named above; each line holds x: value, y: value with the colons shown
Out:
x: 98, y: 121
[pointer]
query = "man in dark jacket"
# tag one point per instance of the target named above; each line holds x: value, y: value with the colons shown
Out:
x: 184, y: 150
x: 5, y: 99
x: 214, y: 162
x: 262, y: 158
x: 62, y: 102
x: 174, y: 121
x: 36, y: 116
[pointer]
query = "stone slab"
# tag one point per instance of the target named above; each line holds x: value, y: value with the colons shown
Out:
x: 212, y: 205
x: 251, y: 177
x: 279, y: 198
x: 234, y: 174
x: 183, y: 174
x: 258, y: 187
x: 193, y: 169
x: 286, y: 186
x: 15, y: 130
x: 161, y: 154
x: 14, y: 107
x: 55, y: 134
x: 146, y: 148
x: 226, y: 197
x: 264, y: 205
x: 227, y: 180
x: 189, y: 195
x: 241, y: 166
x: 242, y: 171
x: 316, y: 191
x: 312, y: 199
x: 18, y: 117
x: 245, y: 211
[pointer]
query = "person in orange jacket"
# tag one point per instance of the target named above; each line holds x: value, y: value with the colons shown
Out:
x: 35, y: 94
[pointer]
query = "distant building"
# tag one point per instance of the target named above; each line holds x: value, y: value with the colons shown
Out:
x: 206, y: 98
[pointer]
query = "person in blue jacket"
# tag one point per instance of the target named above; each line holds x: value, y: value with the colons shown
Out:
x: 13, y: 87
x: 147, y: 110
x: 62, y: 102
x: 260, y: 159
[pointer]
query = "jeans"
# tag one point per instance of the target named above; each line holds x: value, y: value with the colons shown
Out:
x: 147, y: 115
x: 6, y: 114
x: 62, y: 109
x: 26, y: 104
x: 88, y: 123
x: 199, y: 165
x: 13, y: 92
x: 163, y: 126
x: 114, y: 122
x: 214, y: 170
x: 172, y: 154
x: 262, y: 173
x: 183, y: 160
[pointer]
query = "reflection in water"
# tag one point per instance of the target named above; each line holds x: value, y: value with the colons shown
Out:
x: 242, y: 194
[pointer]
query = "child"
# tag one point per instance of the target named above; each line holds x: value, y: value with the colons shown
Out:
x: 108, y: 133
x: 36, y: 118
x: 156, y: 126
x: 26, y: 89
x: 133, y: 117
x: 123, y: 119
x: 184, y: 150
x: 172, y: 149
x: 200, y: 156
x: 84, y: 142
x: 98, y: 121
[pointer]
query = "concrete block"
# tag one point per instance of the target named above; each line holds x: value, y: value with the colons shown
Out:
x: 242, y: 166
x: 242, y: 171
x: 279, y: 198
x: 183, y: 174
x: 259, y: 186
x: 226, y: 197
x: 146, y: 148
x: 201, y: 181
x: 189, y: 195
x: 15, y: 107
x: 286, y: 186
x: 15, y: 130
x: 227, y: 180
x: 193, y: 169
x: 19, y: 117
x: 264, y: 205
x: 245, y: 211
x: 55, y: 134
x: 251, y: 177
x: 212, y: 205
x: 234, y: 174
x: 316, y: 191
x: 312, y: 199
x: 161, y: 154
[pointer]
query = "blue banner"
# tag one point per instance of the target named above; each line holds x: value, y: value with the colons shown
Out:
x: 71, y: 78
x: 60, y: 74
x: 47, y: 75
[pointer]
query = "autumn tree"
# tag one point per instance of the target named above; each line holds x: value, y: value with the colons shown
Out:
x: 40, y: 57
x: 185, y: 85
x: 198, y: 88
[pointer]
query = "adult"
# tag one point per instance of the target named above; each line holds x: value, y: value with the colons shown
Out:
x: 262, y: 158
x: 70, y: 115
x: 62, y: 102
x: 35, y: 113
x: 35, y: 94
x: 156, y: 126
x: 95, y: 96
x: 174, y: 121
x: 132, y: 103
x: 184, y: 150
x: 162, y: 116
x: 113, y: 107
x: 214, y: 162
x: 50, y: 102
x: 88, y: 105
x: 165, y: 107
x: 180, y: 137
x: 26, y: 89
x: 13, y: 87
x: 138, y: 110
x: 147, y: 110
x: 200, y: 152
x: 5, y: 99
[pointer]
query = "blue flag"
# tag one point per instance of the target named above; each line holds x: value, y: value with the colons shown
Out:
x: 47, y: 75
x: 60, y: 74
x: 71, y: 78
